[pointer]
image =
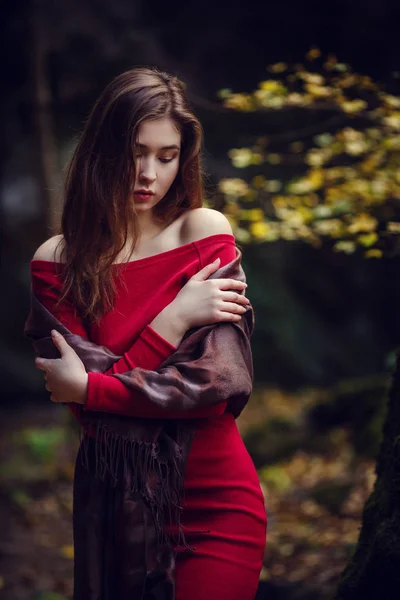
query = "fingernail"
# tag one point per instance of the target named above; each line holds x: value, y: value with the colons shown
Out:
x: 54, y: 332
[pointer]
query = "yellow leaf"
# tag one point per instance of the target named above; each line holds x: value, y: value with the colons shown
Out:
x: 240, y: 157
x: 317, y: 157
x: 312, y: 78
x: 319, y: 91
x: 273, y: 158
x: 258, y: 181
x: 373, y: 253
x: 242, y: 235
x: 306, y: 214
x: 331, y: 227
x: 393, y: 120
x: 295, y: 99
x: 272, y: 86
x: 393, y: 101
x: 232, y: 220
x: 231, y: 208
x: 363, y: 223
x: 353, y: 106
x: 344, y: 246
x: 67, y: 551
x: 272, y: 186
x: 312, y: 181
x: 313, y: 53
x: 224, y: 93
x: 251, y: 214
x: 259, y: 230
x: 275, y: 477
x: 256, y: 158
x: 316, y: 176
x: 277, y: 67
x: 243, y: 102
x: 233, y: 187
x: 348, y: 80
x: 250, y: 195
x: 368, y: 239
x: 393, y: 227
x: 342, y: 67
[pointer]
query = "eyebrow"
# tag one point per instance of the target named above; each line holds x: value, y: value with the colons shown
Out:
x: 172, y: 147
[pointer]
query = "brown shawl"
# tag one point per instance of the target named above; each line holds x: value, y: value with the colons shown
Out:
x: 145, y: 458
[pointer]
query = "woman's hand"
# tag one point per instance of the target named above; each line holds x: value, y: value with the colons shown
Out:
x: 204, y: 301
x: 65, y: 377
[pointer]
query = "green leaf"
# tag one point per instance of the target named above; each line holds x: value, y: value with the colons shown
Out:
x: 42, y: 442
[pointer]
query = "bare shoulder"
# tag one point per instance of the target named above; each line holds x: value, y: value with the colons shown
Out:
x: 50, y: 249
x: 202, y: 222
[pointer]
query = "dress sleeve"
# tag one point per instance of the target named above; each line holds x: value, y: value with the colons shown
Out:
x: 109, y: 394
x: 148, y: 352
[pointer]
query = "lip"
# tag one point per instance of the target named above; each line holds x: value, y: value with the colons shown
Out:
x: 143, y: 194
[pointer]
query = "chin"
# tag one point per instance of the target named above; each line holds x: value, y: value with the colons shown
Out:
x: 148, y: 204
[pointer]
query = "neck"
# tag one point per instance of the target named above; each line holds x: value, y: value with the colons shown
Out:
x: 148, y: 227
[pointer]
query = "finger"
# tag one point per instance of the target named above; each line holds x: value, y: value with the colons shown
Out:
x: 228, y: 316
x: 41, y: 363
x: 233, y: 308
x: 60, y: 342
x: 231, y: 284
x: 205, y: 271
x: 234, y: 297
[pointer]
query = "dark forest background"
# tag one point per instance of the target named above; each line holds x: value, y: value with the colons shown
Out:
x: 327, y: 328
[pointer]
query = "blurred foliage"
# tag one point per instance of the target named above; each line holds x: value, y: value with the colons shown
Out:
x: 38, y: 453
x: 48, y: 596
x: 314, y: 474
x: 315, y: 488
x: 336, y: 179
x: 42, y: 443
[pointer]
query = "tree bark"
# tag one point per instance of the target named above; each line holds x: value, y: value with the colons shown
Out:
x: 47, y: 156
x: 374, y: 570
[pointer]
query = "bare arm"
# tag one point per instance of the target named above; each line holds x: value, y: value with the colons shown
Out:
x: 169, y: 325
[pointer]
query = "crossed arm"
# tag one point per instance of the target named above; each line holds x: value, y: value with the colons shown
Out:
x: 105, y: 392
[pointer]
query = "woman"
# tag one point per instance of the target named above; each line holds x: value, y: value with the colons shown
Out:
x: 130, y: 271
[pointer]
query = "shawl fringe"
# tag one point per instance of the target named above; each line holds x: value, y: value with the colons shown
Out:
x: 142, y: 462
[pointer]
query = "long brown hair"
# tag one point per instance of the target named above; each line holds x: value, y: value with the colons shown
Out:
x: 98, y: 211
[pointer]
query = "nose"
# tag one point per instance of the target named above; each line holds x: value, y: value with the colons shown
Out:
x: 147, y: 171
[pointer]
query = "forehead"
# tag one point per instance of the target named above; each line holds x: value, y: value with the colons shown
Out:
x: 158, y: 133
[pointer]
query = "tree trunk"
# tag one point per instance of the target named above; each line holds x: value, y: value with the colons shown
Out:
x: 374, y: 570
x: 47, y: 155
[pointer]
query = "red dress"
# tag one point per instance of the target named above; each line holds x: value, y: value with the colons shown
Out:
x: 222, y: 490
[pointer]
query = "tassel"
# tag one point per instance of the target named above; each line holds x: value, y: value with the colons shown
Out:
x: 160, y: 482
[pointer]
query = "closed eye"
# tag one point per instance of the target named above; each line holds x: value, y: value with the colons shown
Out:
x: 163, y: 160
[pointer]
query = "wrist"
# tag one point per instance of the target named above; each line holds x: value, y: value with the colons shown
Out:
x: 83, y: 388
x: 170, y: 325
x: 177, y: 312
x: 175, y: 316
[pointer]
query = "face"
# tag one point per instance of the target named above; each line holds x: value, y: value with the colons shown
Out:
x: 156, y: 161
